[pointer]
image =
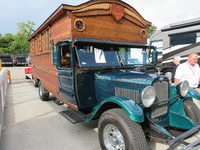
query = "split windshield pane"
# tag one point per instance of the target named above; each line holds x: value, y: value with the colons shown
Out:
x: 97, y: 56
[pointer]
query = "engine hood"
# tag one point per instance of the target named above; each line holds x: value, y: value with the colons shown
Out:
x: 128, y: 77
x: 122, y: 83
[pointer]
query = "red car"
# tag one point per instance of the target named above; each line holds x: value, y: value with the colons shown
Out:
x: 28, y: 72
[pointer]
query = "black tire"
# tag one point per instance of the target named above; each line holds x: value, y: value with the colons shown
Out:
x: 43, y: 93
x: 116, y: 129
x: 191, y: 110
x: 35, y: 83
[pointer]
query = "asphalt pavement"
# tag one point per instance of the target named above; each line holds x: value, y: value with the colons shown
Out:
x: 32, y: 124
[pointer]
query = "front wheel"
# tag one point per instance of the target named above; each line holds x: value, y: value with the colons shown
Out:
x: 191, y: 110
x: 118, y: 131
x: 43, y: 93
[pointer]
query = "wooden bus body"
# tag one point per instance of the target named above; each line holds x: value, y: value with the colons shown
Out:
x: 108, y: 20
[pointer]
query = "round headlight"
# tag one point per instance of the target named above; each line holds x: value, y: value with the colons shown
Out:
x: 148, y: 96
x: 184, y: 88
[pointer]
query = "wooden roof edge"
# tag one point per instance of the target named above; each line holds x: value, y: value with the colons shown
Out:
x: 92, y: 2
x: 63, y: 7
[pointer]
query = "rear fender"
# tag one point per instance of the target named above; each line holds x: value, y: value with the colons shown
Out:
x: 132, y: 109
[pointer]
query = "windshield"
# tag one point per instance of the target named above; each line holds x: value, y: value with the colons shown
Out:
x: 133, y: 56
x: 97, y: 56
x: 5, y: 58
x: 21, y: 58
x: 105, y: 56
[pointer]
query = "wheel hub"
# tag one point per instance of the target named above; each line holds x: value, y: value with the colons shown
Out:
x: 40, y: 90
x: 113, y: 138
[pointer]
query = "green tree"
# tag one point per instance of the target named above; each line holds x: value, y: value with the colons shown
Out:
x: 26, y: 27
x: 151, y: 30
x: 5, y: 42
x: 20, y: 45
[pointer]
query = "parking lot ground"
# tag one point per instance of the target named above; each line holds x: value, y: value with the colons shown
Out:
x: 32, y: 124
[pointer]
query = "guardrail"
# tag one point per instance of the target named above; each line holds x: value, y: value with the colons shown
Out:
x: 3, y: 94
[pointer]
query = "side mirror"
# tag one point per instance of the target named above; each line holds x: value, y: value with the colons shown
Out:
x: 154, y: 56
x: 56, y: 57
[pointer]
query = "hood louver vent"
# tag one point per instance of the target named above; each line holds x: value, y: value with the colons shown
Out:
x: 132, y: 94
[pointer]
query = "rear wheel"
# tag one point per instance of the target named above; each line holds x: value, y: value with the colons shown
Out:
x: 35, y: 83
x: 118, y: 132
x: 43, y: 93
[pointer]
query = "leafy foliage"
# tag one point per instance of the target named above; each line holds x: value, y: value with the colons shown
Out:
x: 5, y: 43
x: 25, y: 27
x: 151, y: 30
x: 17, y: 44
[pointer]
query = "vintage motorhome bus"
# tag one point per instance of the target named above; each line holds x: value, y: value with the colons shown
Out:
x: 177, y: 39
x: 93, y: 58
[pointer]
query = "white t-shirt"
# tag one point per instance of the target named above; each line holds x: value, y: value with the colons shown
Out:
x: 186, y: 72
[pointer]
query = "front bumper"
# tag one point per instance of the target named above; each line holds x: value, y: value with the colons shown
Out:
x: 21, y: 63
x: 175, y: 142
x: 6, y: 63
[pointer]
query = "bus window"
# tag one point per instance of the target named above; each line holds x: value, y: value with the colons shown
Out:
x: 65, y: 56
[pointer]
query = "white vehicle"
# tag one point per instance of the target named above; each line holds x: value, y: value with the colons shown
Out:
x: 177, y: 39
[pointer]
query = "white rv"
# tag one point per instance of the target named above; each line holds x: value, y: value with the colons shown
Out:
x: 177, y: 39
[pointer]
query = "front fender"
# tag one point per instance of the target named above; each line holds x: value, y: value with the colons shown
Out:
x: 132, y: 109
x: 193, y: 93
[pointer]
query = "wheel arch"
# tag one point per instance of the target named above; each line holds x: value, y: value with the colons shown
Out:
x: 164, y: 69
x: 193, y: 93
x: 133, y: 110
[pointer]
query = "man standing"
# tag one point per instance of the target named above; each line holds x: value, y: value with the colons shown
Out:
x: 189, y: 71
x: 177, y: 60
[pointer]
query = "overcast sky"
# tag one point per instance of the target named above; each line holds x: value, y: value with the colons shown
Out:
x: 159, y: 12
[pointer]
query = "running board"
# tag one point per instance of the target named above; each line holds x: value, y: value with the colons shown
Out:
x: 74, y: 116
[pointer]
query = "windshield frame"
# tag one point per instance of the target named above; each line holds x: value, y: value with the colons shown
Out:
x: 110, y: 43
x: 119, y: 61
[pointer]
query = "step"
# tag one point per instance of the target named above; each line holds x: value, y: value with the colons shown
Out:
x: 74, y: 116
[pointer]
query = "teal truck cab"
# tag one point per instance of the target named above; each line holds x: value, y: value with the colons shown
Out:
x: 94, y: 58
x: 112, y: 85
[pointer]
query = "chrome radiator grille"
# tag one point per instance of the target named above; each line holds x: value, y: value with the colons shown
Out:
x: 161, y: 88
x: 132, y: 94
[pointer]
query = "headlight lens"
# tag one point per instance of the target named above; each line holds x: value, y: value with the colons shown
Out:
x: 148, y: 96
x: 183, y: 88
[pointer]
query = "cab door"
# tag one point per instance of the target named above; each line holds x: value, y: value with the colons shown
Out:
x: 66, y: 74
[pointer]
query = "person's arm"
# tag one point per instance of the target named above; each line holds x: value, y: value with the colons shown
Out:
x: 178, y: 75
x: 176, y: 81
